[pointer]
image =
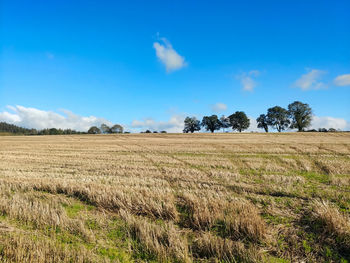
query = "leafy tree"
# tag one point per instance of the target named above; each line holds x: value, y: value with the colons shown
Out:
x: 211, y: 123
x: 300, y: 114
x: 94, y: 130
x: 191, y: 125
x: 148, y: 131
x: 10, y: 128
x: 105, y: 128
x: 263, y: 122
x: 277, y: 117
x: 224, y: 122
x: 239, y: 121
x: 116, y: 129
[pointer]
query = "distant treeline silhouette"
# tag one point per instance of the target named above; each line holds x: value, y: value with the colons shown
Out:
x: 14, y: 129
x: 297, y: 116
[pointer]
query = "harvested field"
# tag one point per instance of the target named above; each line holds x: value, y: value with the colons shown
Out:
x: 175, y: 198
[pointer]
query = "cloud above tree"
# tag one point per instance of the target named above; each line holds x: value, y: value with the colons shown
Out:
x: 168, y: 56
x: 39, y: 119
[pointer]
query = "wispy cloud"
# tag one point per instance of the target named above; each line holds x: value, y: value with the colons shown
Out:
x: 342, y: 80
x: 311, y: 80
x: 174, y: 124
x: 330, y: 122
x: 40, y: 119
x: 219, y: 107
x: 168, y: 56
x: 247, y: 80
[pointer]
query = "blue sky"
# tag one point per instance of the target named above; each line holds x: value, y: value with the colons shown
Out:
x: 149, y: 63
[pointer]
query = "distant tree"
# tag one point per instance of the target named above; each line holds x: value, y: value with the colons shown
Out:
x: 191, y: 125
x: 10, y: 128
x: 211, y: 123
x: 263, y: 122
x: 239, y: 121
x: 332, y: 130
x: 224, y: 122
x: 155, y: 131
x: 105, y: 128
x: 277, y: 117
x: 322, y: 130
x: 163, y: 132
x: 148, y: 131
x: 312, y: 130
x: 116, y: 129
x: 300, y: 114
x: 53, y: 131
x: 94, y: 130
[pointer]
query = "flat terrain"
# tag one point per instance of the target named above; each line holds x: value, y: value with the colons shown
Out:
x: 175, y: 198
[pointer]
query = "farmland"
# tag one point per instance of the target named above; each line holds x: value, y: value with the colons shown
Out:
x: 175, y: 198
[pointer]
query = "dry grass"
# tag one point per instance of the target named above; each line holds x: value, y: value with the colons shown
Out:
x: 175, y: 198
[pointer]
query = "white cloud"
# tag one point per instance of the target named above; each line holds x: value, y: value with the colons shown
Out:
x: 219, y: 107
x: 330, y: 122
x: 39, y: 119
x: 311, y: 80
x: 253, y: 125
x: 342, y: 80
x: 247, y: 80
x: 168, y: 56
x: 174, y: 124
x: 316, y: 123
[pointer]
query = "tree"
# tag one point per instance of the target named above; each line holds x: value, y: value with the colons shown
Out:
x: 116, y: 129
x: 105, y: 128
x: 277, y: 117
x: 239, y: 121
x: 191, y: 125
x: 211, y: 123
x: 94, y: 130
x: 300, y: 114
x: 263, y: 122
x: 224, y: 122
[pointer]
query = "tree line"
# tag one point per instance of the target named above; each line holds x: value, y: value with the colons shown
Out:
x: 14, y: 129
x: 298, y: 115
x: 105, y: 129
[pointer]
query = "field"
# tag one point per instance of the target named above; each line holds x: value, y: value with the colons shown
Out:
x: 175, y: 198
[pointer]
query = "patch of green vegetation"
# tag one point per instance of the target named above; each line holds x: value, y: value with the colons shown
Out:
x: 141, y: 252
x: 316, y: 177
x: 92, y: 224
x: 73, y: 209
x: 117, y: 233
x: 272, y: 259
x: 65, y: 237
x: 250, y: 172
x: 185, y: 214
x: 306, y: 247
x: 276, y: 220
x: 114, y: 254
